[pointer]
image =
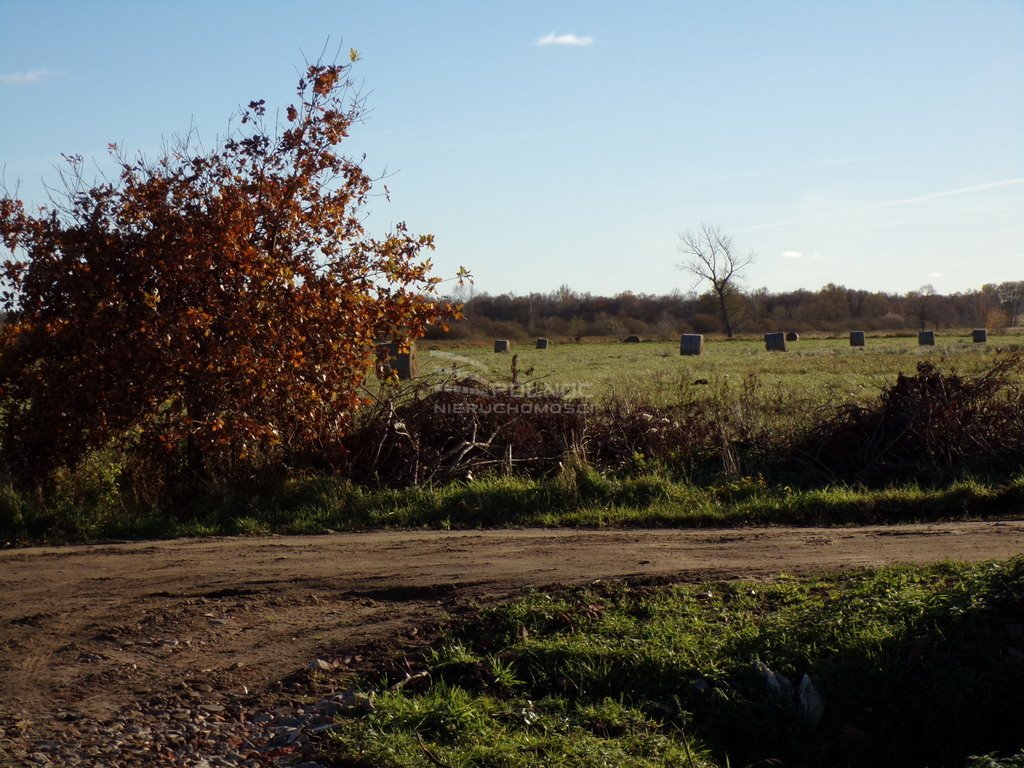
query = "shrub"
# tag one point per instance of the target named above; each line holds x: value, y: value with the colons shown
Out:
x: 931, y: 421
x: 997, y: 321
x: 705, y: 323
x: 214, y: 311
x: 451, y: 429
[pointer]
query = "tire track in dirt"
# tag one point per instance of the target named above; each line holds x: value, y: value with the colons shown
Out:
x: 91, y: 628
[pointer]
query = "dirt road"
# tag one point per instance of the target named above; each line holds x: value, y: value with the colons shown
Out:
x: 86, y: 631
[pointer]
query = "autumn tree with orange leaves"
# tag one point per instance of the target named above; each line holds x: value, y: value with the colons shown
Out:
x: 210, y: 311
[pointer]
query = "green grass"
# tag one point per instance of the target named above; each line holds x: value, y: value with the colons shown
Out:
x: 913, y: 667
x: 816, y: 370
x: 577, y: 496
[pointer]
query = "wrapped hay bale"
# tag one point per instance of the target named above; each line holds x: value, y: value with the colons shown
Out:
x: 691, y: 344
x: 775, y: 342
x: 401, y: 364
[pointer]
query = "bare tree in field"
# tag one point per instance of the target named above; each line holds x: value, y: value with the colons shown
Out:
x: 920, y: 303
x: 713, y: 258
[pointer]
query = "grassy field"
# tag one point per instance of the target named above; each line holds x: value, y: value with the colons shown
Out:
x: 813, y: 369
x: 717, y: 454
x: 901, y: 667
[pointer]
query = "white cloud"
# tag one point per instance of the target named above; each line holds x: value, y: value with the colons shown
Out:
x: 791, y: 254
x: 31, y: 77
x: 566, y: 40
x: 934, y: 274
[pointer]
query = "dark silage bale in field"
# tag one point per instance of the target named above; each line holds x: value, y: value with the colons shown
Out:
x: 501, y: 345
x: 775, y: 342
x: 691, y: 344
x: 401, y: 364
x: 857, y: 338
x: 633, y: 339
x: 792, y: 336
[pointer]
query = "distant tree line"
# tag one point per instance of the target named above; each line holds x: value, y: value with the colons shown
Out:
x: 571, y: 315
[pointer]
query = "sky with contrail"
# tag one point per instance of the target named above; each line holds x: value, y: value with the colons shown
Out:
x: 874, y: 144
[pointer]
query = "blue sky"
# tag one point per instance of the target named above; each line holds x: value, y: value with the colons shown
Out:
x: 876, y: 145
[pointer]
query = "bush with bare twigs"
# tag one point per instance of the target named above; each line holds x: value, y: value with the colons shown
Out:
x: 450, y: 430
x: 927, y: 424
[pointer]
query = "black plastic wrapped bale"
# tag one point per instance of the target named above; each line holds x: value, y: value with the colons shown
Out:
x: 403, y: 364
x: 691, y: 344
x: 775, y: 342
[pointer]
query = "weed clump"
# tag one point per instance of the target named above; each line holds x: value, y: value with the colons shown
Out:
x: 463, y: 428
x: 930, y: 423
